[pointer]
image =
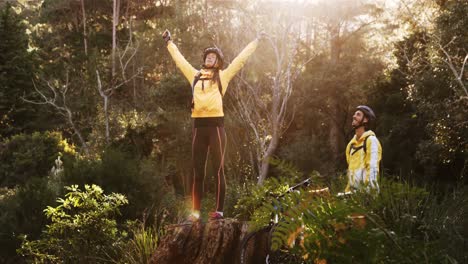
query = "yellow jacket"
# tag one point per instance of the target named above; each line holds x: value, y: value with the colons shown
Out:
x: 363, y: 166
x: 209, y: 101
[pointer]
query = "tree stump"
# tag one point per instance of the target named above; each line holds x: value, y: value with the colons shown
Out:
x: 214, y: 242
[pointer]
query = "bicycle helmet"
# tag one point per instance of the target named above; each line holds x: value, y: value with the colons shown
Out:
x: 368, y: 113
x: 219, y: 55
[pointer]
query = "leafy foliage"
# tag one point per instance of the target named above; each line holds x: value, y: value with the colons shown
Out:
x: 401, y: 224
x: 21, y: 212
x: 16, y: 66
x: 25, y: 156
x: 248, y: 205
x: 83, y: 228
x: 119, y: 168
x: 145, y: 239
x: 141, y: 248
x: 422, y: 102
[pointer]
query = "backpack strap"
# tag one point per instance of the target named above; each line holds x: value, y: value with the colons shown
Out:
x: 197, y: 78
x: 365, y: 143
x: 220, y: 86
x: 363, y: 147
x: 354, y: 149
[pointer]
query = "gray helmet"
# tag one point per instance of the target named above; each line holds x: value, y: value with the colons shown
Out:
x: 219, y: 55
x: 368, y: 113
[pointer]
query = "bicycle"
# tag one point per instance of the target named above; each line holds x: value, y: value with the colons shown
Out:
x: 271, y: 226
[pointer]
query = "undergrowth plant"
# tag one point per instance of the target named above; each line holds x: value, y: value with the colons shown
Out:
x: 401, y: 223
x: 144, y: 241
x: 83, y: 229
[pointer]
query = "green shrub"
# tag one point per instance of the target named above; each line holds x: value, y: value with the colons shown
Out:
x: 8, y: 228
x: 140, y: 180
x: 83, y: 229
x: 141, y: 247
x: 176, y: 206
x: 26, y: 156
x: 252, y: 196
x: 235, y: 191
x: 401, y: 224
x: 127, y: 166
x: 21, y: 212
x: 260, y: 196
x: 81, y: 170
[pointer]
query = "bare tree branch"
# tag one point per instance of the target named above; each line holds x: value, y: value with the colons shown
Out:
x: 451, y: 65
x: 462, y: 70
x: 62, y: 108
x: 107, y: 93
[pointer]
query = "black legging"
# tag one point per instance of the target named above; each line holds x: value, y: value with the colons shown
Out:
x: 212, y: 141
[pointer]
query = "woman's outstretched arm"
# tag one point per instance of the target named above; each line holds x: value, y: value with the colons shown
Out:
x: 187, y: 69
x: 237, y: 64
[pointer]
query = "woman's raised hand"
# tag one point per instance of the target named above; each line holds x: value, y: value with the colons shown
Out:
x: 261, y: 35
x: 166, y: 35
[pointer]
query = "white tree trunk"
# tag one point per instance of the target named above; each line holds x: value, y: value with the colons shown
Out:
x: 269, y: 119
x: 85, y: 34
x: 265, y: 162
x: 77, y: 131
x: 106, y: 116
x: 105, y: 97
x: 115, y: 21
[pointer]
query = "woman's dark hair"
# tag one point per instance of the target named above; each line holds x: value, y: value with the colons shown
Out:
x: 219, y: 63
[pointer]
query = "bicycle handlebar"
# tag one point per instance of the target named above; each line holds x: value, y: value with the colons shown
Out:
x: 304, y: 183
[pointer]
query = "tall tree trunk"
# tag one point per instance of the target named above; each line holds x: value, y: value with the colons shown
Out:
x: 85, y: 34
x: 335, y: 53
x: 272, y: 146
x: 106, y: 116
x: 265, y: 162
x: 77, y: 131
x: 335, y: 130
x: 105, y: 97
x: 135, y: 102
x: 335, y: 44
x: 115, y: 21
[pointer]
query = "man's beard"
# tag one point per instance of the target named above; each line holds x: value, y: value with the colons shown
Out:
x: 358, y: 124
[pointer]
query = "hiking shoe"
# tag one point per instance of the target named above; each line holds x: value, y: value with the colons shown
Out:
x: 190, y: 220
x: 215, y: 216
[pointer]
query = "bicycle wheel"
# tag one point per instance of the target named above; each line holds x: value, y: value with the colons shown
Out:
x: 245, y: 243
x: 280, y: 256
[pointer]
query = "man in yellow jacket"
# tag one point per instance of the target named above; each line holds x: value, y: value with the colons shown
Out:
x: 363, y: 152
x: 209, y: 84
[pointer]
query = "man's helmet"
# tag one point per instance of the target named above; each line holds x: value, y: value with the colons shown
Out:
x: 219, y: 55
x: 368, y: 113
